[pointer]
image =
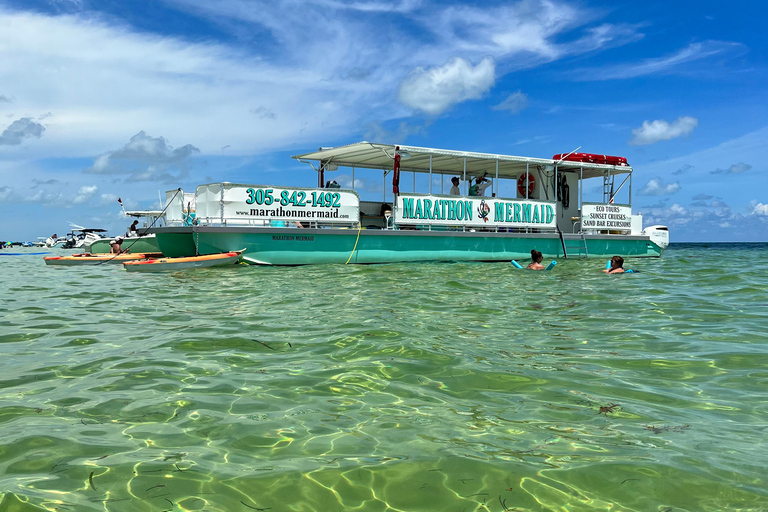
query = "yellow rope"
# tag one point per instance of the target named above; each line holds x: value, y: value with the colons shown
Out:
x: 359, y: 227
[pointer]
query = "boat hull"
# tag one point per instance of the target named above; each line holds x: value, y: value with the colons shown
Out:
x: 164, y: 264
x: 289, y: 246
x: 91, y: 259
x: 143, y: 244
x: 177, y: 241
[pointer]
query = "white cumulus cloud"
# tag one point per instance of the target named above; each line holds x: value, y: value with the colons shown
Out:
x: 759, y: 209
x: 434, y: 90
x: 655, y: 187
x: 84, y: 194
x: 676, y: 209
x: 654, y: 131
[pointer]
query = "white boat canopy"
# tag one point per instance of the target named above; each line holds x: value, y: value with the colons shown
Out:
x: 442, y: 161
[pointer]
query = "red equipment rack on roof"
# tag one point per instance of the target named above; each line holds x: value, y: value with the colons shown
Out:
x: 591, y: 158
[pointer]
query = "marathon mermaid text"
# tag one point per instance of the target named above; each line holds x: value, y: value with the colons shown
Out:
x: 485, y: 210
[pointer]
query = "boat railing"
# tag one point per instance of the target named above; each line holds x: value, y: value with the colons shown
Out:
x: 367, y: 222
x: 269, y: 223
x: 471, y: 229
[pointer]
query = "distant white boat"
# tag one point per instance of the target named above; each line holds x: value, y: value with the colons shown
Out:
x: 81, y: 237
x: 53, y: 241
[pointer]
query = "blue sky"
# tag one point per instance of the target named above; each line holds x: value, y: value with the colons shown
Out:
x: 116, y: 98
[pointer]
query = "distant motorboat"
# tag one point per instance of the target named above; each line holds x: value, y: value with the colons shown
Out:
x: 54, y: 241
x: 81, y: 237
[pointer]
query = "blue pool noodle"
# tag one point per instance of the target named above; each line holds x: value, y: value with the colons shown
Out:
x: 608, y: 265
x: 551, y: 265
x: 516, y: 264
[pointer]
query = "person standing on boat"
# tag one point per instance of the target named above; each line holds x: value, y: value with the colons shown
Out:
x: 455, y: 188
x: 536, y: 258
x: 478, y: 189
x: 190, y: 219
x: 133, y: 229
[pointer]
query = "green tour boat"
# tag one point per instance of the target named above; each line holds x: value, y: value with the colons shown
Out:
x: 541, y: 208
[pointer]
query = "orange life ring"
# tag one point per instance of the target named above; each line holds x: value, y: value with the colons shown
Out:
x: 521, y: 184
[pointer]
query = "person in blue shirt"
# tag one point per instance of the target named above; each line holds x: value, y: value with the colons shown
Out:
x: 189, y: 216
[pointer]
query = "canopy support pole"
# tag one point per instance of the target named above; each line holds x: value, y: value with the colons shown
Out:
x: 466, y: 192
x: 614, y: 194
x: 554, y: 185
x: 430, y: 174
x: 527, y: 178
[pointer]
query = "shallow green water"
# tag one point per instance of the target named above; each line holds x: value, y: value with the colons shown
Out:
x: 420, y: 387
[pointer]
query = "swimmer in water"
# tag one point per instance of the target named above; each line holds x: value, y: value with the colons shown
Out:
x: 536, y: 258
x: 617, y: 266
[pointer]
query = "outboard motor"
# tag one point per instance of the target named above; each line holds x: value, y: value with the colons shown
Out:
x: 659, y: 235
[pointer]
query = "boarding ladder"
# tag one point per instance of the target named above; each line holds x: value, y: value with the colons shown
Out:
x: 608, y: 189
x: 578, y: 242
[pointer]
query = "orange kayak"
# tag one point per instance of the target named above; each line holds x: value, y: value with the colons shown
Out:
x: 97, y: 259
x: 160, y: 264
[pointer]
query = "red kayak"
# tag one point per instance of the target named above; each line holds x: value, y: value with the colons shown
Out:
x: 592, y: 158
